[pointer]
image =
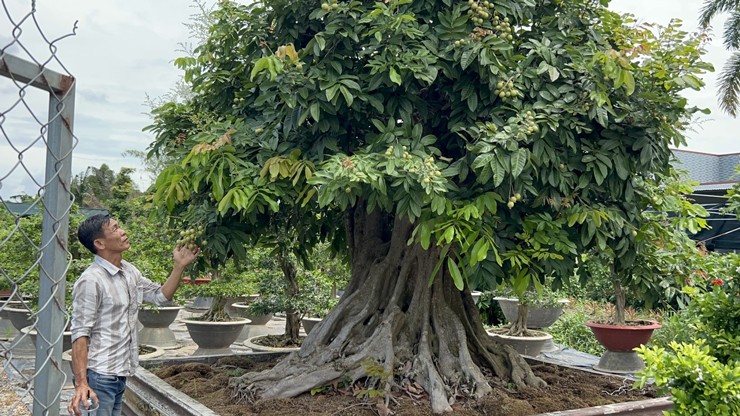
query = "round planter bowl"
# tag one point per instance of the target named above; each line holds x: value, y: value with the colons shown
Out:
x: 156, y: 326
x: 20, y: 317
x: 530, y: 346
x: 309, y: 324
x: 539, y: 317
x: 262, y: 348
x: 66, y: 337
x: 241, y: 310
x: 623, y: 338
x: 214, y: 338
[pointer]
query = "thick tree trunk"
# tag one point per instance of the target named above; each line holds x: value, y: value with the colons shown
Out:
x: 292, y: 319
x: 390, y: 317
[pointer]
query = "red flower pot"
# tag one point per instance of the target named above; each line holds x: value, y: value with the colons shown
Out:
x: 623, y: 338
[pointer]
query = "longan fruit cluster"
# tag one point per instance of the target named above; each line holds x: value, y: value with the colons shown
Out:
x: 506, y: 89
x: 190, y: 235
x: 513, y: 200
x: 329, y: 6
x: 529, y: 124
x: 480, y: 11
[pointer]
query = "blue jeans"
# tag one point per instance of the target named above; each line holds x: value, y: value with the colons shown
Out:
x: 109, y: 390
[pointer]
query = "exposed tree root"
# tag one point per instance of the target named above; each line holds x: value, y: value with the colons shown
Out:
x: 390, y: 317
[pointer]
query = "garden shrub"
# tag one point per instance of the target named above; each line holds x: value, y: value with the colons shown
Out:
x: 704, y: 375
x: 569, y: 330
x: 699, y: 383
x: 676, y: 325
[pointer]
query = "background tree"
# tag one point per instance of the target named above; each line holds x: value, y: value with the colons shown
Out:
x: 103, y: 188
x: 729, y: 79
x: 462, y: 143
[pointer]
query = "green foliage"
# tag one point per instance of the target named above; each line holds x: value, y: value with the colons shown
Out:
x: 489, y: 309
x: 21, y: 253
x: 569, y: 330
x: 699, y: 383
x: 317, y: 288
x: 703, y: 375
x: 676, y: 326
x: 729, y: 80
x: 733, y: 196
x: 661, y: 247
x: 718, y: 320
x: 377, y: 378
x: 103, y: 188
x: 512, y: 146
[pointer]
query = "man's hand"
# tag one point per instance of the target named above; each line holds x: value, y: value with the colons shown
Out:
x: 82, y: 393
x: 183, y: 256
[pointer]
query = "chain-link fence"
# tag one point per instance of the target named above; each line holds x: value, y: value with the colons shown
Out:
x: 34, y: 214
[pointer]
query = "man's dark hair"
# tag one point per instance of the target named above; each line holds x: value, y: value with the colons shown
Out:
x: 92, y: 229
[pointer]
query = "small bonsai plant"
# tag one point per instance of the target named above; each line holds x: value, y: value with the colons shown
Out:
x: 315, y: 295
x: 645, y: 254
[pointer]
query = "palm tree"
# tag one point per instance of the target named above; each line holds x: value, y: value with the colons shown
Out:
x: 729, y: 79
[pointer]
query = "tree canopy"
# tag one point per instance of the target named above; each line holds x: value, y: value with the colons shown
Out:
x: 443, y: 144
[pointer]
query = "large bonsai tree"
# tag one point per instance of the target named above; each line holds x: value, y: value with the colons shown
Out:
x: 460, y: 141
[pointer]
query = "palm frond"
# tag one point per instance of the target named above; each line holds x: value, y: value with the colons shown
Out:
x: 712, y: 8
x: 731, y: 34
x: 729, y: 85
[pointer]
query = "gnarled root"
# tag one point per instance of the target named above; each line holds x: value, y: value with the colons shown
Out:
x: 391, y: 317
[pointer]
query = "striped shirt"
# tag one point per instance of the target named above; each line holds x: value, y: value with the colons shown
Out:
x: 105, y: 308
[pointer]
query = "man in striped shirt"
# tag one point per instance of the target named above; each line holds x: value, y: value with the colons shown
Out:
x: 105, y: 306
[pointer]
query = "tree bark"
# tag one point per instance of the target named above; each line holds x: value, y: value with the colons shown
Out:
x: 391, y: 318
x: 518, y: 328
x: 619, y: 303
x: 292, y: 319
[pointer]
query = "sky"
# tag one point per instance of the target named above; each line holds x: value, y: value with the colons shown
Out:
x: 123, y: 52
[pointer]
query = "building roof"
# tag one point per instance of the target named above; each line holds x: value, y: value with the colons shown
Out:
x: 712, y: 171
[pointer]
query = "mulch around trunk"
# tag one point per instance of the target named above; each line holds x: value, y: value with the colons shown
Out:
x: 567, y: 389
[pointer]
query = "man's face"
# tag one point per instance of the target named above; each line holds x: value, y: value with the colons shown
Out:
x: 114, y: 239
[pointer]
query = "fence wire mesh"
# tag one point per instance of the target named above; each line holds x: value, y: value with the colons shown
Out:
x: 37, y: 97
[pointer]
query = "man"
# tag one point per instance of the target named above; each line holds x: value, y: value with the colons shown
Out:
x: 105, y: 305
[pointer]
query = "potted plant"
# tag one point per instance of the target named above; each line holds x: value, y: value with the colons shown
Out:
x: 525, y: 339
x: 641, y: 260
x: 537, y: 249
x: 314, y: 298
x: 545, y: 306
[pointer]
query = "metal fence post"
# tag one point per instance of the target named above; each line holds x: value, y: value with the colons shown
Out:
x: 54, y: 233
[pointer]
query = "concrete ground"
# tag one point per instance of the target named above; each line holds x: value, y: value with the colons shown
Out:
x: 17, y: 357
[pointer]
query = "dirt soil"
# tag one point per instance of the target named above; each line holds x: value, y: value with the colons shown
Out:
x: 567, y: 389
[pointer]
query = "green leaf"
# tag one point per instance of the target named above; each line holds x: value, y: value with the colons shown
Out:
x: 394, y: 76
x: 467, y: 58
x: 473, y: 102
x: 518, y: 162
x: 315, y: 110
x: 261, y: 64
x: 437, y: 266
x: 347, y: 95
x: 455, y: 273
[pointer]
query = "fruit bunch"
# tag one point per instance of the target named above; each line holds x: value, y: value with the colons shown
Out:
x: 480, y: 11
x: 513, y: 200
x: 506, y: 89
x: 332, y: 5
x: 189, y: 236
x: 529, y: 125
x: 502, y: 28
